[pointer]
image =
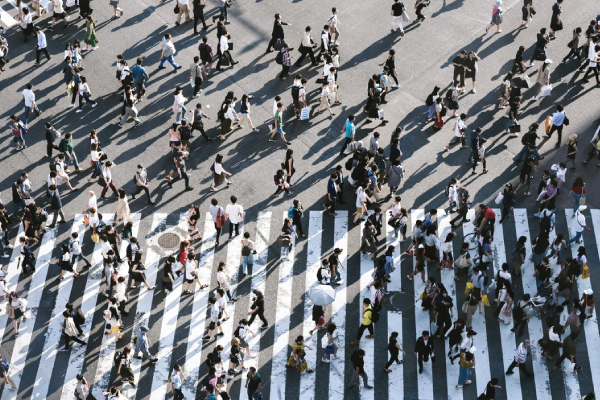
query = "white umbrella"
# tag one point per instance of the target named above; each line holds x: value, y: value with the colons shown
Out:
x: 322, y: 295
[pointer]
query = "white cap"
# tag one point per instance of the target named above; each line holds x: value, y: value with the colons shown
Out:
x: 498, y: 3
x: 3, y: 274
x: 548, y: 61
x: 582, y: 208
x: 589, y: 292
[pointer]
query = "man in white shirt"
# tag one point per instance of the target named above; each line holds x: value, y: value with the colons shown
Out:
x: 361, y: 202
x: 168, y: 53
x: 223, y: 50
x: 183, y: 9
x: 29, y: 99
x: 306, y: 48
x: 75, y: 250
x: 235, y: 213
x: 105, y: 246
x: 520, y: 358
x: 214, y: 320
x: 324, y: 41
x: 41, y: 45
x: 578, y: 224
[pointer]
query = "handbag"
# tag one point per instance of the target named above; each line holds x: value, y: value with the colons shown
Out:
x: 304, y: 114
x: 176, y: 9
x: 548, y: 124
x: 485, y: 301
x: 582, y: 200
x: 278, y: 45
x: 434, y: 327
x: 324, y: 341
x: 499, y: 198
x: 566, y: 121
x: 381, y: 114
x: 462, y: 261
x: 283, y: 242
x: 586, y: 272
x: 469, y: 288
x: 405, y: 16
x: 220, y: 220
x: 515, y: 128
x: 546, y: 90
x: 86, y: 219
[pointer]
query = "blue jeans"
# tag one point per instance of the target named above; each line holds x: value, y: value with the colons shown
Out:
x: 430, y: 113
x: 28, y: 110
x: 450, y: 207
x: 576, y: 204
x: 558, y: 255
x: 247, y: 260
x: 180, y: 114
x: 463, y: 375
x: 170, y: 59
x: 524, y: 152
x: 537, y: 258
x: 74, y: 161
x: 97, y: 171
x: 223, y: 11
x: 577, y: 237
x: 2, y: 244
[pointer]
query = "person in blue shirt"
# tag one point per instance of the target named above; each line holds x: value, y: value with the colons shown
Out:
x: 139, y: 77
x: 332, y: 192
x: 429, y: 218
x: 177, y: 379
x: 350, y: 130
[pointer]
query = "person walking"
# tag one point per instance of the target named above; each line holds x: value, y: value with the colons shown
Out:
x: 286, y: 61
x: 84, y: 94
x: 56, y: 205
x: 199, y: 6
x: 223, y: 51
x: 394, y: 349
x: 41, y: 45
x: 30, y: 106
x: 277, y: 35
x: 279, y: 125
x: 140, y: 76
x: 196, y: 76
x: 108, y: 182
x: 332, y: 193
x: 130, y: 110
x: 90, y: 34
x: 235, y: 213
x: 257, y: 309
x: 578, y: 225
x: 574, y: 46
x: 198, y: 123
x: 496, y: 17
x: 306, y: 48
x: 219, y: 174
x: 367, y: 323
x: 75, y: 250
x: 490, y: 388
x: 556, y: 20
x: 349, y: 131
x: 142, y: 345
x: 543, y: 78
x: 124, y: 368
x: 523, y: 350
x: 206, y: 55
x: 397, y: 17
x: 70, y: 332
x: 558, y: 122
x: 183, y: 8
x: 168, y: 53
x: 358, y: 364
x: 245, y: 111
x: 218, y: 216
x: 424, y: 349
x: 52, y: 135
x: 142, y: 183
x: 177, y: 378
x: 466, y: 363
x: 521, y: 314
x: 17, y: 309
x: 181, y: 172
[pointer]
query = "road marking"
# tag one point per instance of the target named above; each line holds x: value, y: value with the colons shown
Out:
x: 396, y: 377
x: 396, y: 276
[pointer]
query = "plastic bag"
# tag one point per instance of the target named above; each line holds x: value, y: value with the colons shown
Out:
x: 469, y: 288
x: 499, y: 198
x: 546, y: 90
x: 304, y: 114
x: 95, y: 237
x: 485, y: 301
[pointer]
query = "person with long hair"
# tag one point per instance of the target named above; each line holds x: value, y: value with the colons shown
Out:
x: 245, y: 111
x: 219, y: 174
x: 16, y: 310
x: 288, y: 166
x: 138, y: 272
x: 192, y: 217
x: 114, y: 320
x: 124, y: 368
x: 90, y: 34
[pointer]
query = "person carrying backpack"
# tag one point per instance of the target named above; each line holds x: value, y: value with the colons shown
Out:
x: 370, y: 316
x: 206, y: 55
x: 521, y: 314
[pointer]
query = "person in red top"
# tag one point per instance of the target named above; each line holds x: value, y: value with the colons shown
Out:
x: 489, y: 217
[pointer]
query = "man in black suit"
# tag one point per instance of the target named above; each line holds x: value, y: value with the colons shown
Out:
x: 56, y: 205
x: 423, y: 348
x: 28, y: 256
x: 277, y: 33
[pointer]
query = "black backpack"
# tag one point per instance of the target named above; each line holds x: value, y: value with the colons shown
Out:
x: 279, y: 58
x: 79, y: 317
x: 319, y: 275
x: 349, y: 164
x: 52, y: 166
x: 546, y: 223
x: 374, y: 316
x: 295, y: 93
x: 429, y: 100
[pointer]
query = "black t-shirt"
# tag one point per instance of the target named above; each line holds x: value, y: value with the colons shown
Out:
x: 397, y: 9
x: 253, y: 382
x: 181, y: 165
x: 526, y: 170
x: 490, y: 391
x: 391, y: 64
x: 392, y: 346
x: 555, y: 11
x: 260, y: 303
x: 459, y: 60
x: 358, y: 361
x: 333, y: 260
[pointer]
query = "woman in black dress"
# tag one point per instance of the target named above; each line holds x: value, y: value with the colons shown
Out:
x: 288, y: 166
x: 471, y: 67
x: 318, y: 315
x: 138, y: 272
x: 526, y: 11
x: 454, y: 336
x: 394, y: 349
x: 556, y: 22
x: 125, y: 367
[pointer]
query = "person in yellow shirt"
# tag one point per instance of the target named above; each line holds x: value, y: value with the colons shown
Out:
x: 367, y: 323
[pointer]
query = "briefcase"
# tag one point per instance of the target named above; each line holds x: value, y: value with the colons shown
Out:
x: 516, y: 128
x: 229, y: 46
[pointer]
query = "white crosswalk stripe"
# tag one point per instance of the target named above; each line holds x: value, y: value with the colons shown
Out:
x: 276, y: 382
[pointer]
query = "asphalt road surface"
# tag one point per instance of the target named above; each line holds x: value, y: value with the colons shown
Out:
x: 423, y: 59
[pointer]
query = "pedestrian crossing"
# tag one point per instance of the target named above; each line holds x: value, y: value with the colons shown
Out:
x: 178, y: 321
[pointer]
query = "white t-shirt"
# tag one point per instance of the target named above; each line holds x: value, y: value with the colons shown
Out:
x: 326, y: 71
x: 221, y: 277
x: 360, y: 197
x: 75, y: 246
x: 459, y: 125
x: 214, y: 313
x: 92, y: 202
x: 105, y: 247
x: 578, y: 222
x: 233, y: 210
x: 396, y: 209
x: 29, y: 97
x: 190, y: 266
x: 333, y: 20
x: 95, y: 155
x: 561, y: 174
x: 218, y: 168
x: 214, y: 211
x: 2, y: 288
x: 221, y: 302
x: 183, y: 2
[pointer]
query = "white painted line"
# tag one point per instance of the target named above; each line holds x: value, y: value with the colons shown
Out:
x: 38, y: 282
x: 396, y: 276
x: 191, y: 368
x: 507, y: 340
x: 367, y: 266
x: 282, y: 322
x: 162, y: 368
x: 313, y: 262
x: 101, y: 382
x: 396, y: 377
x: 259, y: 280
x: 338, y: 309
x: 536, y: 331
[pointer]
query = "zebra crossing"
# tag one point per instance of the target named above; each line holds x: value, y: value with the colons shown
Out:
x: 178, y: 321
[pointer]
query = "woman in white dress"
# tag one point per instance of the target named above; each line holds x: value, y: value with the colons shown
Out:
x: 123, y: 211
x: 92, y: 201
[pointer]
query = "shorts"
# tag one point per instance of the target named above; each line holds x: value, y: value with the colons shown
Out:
x: 279, y: 129
x: 58, y: 15
x: 359, y: 210
x: 189, y: 281
x: 522, y: 180
x: 243, y: 342
x: 115, y: 329
x: 114, y: 4
x: 245, y: 115
x: 213, y: 325
x: 206, y: 61
x: 329, y: 349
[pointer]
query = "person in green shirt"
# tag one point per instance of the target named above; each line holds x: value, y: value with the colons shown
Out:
x: 66, y: 145
x: 279, y: 125
x: 569, y: 350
